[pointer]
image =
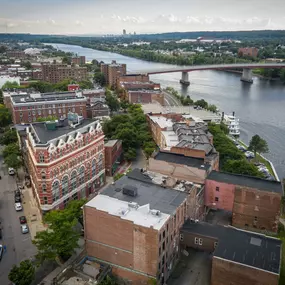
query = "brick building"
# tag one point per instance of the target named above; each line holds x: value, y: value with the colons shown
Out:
x: 248, y: 51
x: 255, y: 203
x: 145, y: 96
x: 79, y: 60
x: 113, y: 156
x: 238, y: 257
x: 97, y: 109
x: 112, y: 72
x: 65, y: 160
x: 56, y: 72
x: 179, y: 166
x: 133, y: 225
x: 177, y: 134
x: 16, y: 53
x: 27, y: 108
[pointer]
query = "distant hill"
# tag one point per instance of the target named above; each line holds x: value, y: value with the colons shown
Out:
x: 235, y: 35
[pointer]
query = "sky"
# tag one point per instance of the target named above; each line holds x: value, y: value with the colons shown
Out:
x: 147, y: 16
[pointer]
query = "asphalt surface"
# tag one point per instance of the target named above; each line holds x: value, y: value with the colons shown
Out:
x: 170, y: 100
x: 18, y: 246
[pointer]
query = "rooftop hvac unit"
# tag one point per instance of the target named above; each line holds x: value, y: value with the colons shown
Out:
x: 155, y: 212
x: 130, y: 190
x: 133, y: 205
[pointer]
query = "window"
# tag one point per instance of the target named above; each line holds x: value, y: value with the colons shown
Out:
x: 45, y: 200
x: 73, y: 180
x: 217, y: 188
x: 181, y: 237
x: 163, y: 234
x: 55, y: 191
x: 65, y: 202
x: 75, y: 196
x: 196, y: 241
x: 44, y: 187
x: 255, y: 219
x: 200, y: 241
x: 93, y: 167
x: 100, y: 163
x: 215, y: 244
x: 83, y: 193
x: 64, y: 185
x: 43, y: 174
x: 217, y: 199
x: 82, y: 175
x: 163, y: 245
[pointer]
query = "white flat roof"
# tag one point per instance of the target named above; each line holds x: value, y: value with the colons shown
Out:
x: 162, y: 121
x: 142, y: 215
x: 171, y: 138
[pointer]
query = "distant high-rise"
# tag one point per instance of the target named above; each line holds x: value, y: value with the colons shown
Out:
x: 124, y: 32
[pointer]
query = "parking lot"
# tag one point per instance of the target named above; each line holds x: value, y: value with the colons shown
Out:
x: 18, y: 245
x: 194, y: 269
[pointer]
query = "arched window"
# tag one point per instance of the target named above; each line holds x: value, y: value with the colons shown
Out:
x: 73, y: 180
x: 93, y: 167
x: 81, y: 175
x: 100, y: 163
x: 43, y: 174
x: 64, y: 185
x: 88, y: 167
x: 44, y: 187
x: 55, y: 191
x: 41, y: 158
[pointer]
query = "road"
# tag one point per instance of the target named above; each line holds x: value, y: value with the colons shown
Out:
x: 170, y: 100
x: 19, y: 246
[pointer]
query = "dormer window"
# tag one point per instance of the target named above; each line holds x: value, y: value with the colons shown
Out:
x: 41, y: 158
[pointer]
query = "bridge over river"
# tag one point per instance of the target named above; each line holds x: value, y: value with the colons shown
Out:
x: 246, y: 67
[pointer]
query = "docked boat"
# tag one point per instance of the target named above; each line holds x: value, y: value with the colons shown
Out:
x: 232, y: 123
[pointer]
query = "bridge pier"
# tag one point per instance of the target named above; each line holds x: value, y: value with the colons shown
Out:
x: 247, y: 75
x: 185, y: 78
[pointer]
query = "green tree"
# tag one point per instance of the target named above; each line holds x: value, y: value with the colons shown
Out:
x: 5, y: 116
x: 257, y: 144
x: 242, y: 167
x: 3, y: 49
x: 99, y: 78
x: 66, y: 60
x: 14, y: 161
x: 24, y: 274
x: 11, y: 85
x: 130, y: 154
x: 108, y: 281
x: 45, y: 119
x: 112, y: 102
x: 42, y: 87
x: 12, y: 148
x: 212, y: 108
x: 1, y: 97
x: 61, y: 238
x: 62, y: 85
x: 202, y: 103
x: 27, y: 65
x: 118, y: 176
x: 282, y: 74
x: 9, y: 137
x: 86, y: 84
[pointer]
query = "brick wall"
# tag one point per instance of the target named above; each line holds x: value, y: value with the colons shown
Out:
x: 256, y: 209
x: 219, y: 195
x: 188, y: 152
x: 225, y: 272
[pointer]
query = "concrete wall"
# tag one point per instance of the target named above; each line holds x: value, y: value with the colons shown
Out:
x: 223, y: 192
x: 256, y: 209
x: 225, y: 272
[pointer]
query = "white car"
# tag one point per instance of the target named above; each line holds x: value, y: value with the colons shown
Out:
x: 11, y: 171
x: 18, y: 207
x: 24, y: 229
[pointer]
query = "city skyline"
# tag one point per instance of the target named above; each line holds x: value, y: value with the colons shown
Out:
x: 111, y: 17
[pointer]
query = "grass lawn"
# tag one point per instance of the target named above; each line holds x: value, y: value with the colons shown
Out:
x: 262, y: 160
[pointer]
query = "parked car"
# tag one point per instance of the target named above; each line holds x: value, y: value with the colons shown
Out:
x: 1, y: 251
x: 11, y: 171
x: 23, y: 220
x: 18, y: 199
x: 18, y: 207
x: 24, y: 229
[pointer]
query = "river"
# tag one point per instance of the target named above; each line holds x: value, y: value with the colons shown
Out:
x: 259, y: 106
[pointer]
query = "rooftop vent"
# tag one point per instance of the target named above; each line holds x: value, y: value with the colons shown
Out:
x: 133, y: 205
x: 130, y: 190
x: 155, y: 212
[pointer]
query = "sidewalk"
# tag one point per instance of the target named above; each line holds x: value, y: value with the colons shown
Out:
x: 32, y: 212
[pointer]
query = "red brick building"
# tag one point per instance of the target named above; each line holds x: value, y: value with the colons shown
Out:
x: 112, y: 72
x: 56, y: 72
x: 16, y: 53
x: 79, y: 60
x: 27, y: 108
x: 145, y: 96
x: 113, y: 156
x: 248, y: 51
x: 239, y: 257
x: 133, y: 225
x: 65, y: 160
x: 255, y: 203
